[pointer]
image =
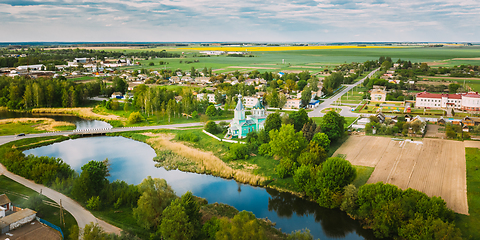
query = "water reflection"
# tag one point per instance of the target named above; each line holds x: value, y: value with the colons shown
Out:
x: 80, y: 123
x: 131, y: 161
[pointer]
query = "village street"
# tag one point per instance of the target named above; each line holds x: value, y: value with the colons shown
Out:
x: 317, y: 112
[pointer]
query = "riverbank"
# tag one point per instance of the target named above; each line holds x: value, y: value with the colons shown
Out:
x: 84, y: 112
x: 123, y: 217
x: 206, y: 155
x: 32, y: 125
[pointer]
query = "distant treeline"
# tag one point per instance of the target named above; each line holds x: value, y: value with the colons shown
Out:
x: 61, y: 56
x: 25, y: 93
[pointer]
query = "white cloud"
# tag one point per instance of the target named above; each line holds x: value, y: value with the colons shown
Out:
x: 249, y: 20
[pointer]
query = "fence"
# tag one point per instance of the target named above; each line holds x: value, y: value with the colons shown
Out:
x: 221, y: 140
x: 51, y: 225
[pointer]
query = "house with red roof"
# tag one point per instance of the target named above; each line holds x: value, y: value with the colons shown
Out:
x: 460, y: 101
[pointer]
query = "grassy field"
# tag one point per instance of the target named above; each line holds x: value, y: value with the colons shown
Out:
x: 17, y: 192
x: 305, y: 58
x: 32, y: 125
x: 157, y: 118
x: 363, y: 174
x: 348, y: 120
x: 354, y: 97
x: 82, y: 78
x: 469, y: 224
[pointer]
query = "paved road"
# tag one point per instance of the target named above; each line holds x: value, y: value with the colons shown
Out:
x: 345, y: 109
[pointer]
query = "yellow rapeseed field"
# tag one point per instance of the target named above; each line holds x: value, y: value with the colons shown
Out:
x: 277, y: 48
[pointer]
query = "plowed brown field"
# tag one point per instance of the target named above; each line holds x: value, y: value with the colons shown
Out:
x: 434, y: 166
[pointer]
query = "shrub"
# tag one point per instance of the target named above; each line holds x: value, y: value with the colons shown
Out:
x: 188, y: 136
x: 211, y: 111
x: 194, y: 114
x: 265, y: 150
x: 212, y: 127
x: 286, y: 168
x: 94, y: 203
x: 238, y: 151
x: 135, y: 117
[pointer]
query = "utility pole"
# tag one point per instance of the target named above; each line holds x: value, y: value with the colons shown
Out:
x: 62, y: 220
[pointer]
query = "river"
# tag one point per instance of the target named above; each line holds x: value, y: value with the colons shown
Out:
x: 131, y: 161
x: 80, y: 123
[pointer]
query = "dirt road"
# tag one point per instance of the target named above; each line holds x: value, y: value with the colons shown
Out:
x: 436, y: 167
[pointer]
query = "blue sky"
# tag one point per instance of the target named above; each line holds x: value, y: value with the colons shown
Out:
x: 243, y: 20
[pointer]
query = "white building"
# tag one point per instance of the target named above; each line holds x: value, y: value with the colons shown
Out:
x: 210, y: 97
x: 293, y: 103
x: 249, y: 102
x: 31, y: 67
x: 212, y: 52
x: 438, y: 101
x: 461, y: 101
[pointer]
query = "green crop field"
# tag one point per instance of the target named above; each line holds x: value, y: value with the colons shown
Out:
x: 314, y: 60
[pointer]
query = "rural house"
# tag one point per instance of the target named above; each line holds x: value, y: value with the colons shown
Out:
x: 5, y: 205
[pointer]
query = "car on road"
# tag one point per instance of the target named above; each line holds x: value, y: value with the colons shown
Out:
x: 21, y: 135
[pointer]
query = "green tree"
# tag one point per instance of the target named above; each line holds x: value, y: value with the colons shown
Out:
x: 286, y: 142
x: 211, y: 111
x: 91, y: 181
x: 243, y: 226
x: 175, y: 223
x: 135, y: 117
x: 192, y: 209
x: 309, y: 129
x: 337, y: 173
x: 156, y: 196
x: 273, y: 122
x: 35, y: 202
x: 94, y: 203
x: 313, y: 155
x: 290, y: 85
x: 211, y: 127
x: 349, y: 200
x: 322, y: 140
x: 333, y: 125
x: 302, y: 177
x: 303, y: 234
x: 306, y: 96
x: 301, y: 85
x: 332, y: 82
x: 299, y: 119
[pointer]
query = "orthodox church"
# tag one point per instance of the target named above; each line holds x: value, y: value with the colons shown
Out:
x: 241, y: 126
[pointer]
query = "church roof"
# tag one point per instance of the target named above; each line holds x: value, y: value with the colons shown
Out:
x: 239, y: 105
x: 259, y: 104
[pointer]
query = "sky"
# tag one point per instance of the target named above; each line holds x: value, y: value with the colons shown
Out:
x: 240, y: 21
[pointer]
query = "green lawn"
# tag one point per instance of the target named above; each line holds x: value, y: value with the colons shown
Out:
x: 16, y: 193
x: 348, y: 120
x: 469, y: 225
x: 157, y: 118
x: 83, y: 78
x: 20, y: 127
x: 363, y: 174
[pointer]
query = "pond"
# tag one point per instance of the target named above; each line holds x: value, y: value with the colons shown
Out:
x: 80, y: 123
x: 131, y: 161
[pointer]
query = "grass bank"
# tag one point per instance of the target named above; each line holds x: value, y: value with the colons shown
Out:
x: 157, y: 118
x: 469, y: 224
x: 15, y: 126
x: 19, y: 194
x: 83, y: 112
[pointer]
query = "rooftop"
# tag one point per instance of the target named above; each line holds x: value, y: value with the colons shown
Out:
x: 4, y: 199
